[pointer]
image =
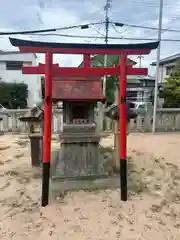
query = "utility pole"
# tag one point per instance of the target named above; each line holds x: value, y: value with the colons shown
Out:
x: 157, y: 66
x: 106, y: 9
x: 140, y: 58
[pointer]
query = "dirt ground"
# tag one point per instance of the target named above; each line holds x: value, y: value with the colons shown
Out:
x: 152, y: 211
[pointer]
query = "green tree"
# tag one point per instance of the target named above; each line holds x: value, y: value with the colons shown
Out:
x: 111, y: 84
x: 13, y: 95
x: 171, y: 88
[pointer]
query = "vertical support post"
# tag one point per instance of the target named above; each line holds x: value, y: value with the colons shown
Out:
x: 157, y: 66
x: 87, y: 60
x: 116, y: 137
x: 122, y: 122
x: 47, y: 129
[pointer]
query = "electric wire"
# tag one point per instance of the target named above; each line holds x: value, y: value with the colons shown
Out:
x: 98, y: 31
x: 122, y: 32
x: 153, y: 4
x: 98, y: 37
x: 50, y: 29
x: 84, y: 26
x: 145, y: 27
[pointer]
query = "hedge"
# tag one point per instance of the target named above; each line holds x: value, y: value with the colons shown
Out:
x: 13, y: 95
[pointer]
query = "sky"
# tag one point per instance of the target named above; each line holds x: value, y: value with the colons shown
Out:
x: 40, y: 14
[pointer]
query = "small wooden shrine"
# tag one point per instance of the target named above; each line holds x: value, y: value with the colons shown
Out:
x: 79, y: 155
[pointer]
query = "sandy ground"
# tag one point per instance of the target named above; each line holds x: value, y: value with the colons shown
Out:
x: 152, y: 211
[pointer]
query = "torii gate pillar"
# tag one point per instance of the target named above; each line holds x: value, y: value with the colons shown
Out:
x: 122, y: 125
x: 47, y: 128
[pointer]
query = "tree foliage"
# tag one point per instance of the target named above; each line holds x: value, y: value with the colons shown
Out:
x: 171, y: 88
x: 111, y: 84
x: 13, y: 95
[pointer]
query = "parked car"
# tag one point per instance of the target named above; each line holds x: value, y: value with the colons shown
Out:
x: 113, y: 111
x: 142, y: 106
x: 2, y: 107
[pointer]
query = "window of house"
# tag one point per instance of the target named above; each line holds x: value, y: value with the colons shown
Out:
x: 169, y: 70
x: 131, y: 95
x: 14, y: 65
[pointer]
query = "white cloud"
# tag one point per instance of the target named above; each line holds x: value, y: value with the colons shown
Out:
x: 53, y: 18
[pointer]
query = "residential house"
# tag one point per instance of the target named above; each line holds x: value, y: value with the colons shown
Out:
x: 166, y: 65
x: 11, y: 71
x: 140, y: 88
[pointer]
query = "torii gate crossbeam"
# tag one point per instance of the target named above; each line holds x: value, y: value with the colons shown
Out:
x: 83, y: 71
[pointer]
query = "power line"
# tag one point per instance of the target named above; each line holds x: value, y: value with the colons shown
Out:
x: 98, y: 31
x: 172, y: 20
x: 85, y: 26
x: 91, y: 37
x: 118, y: 31
x: 144, y: 27
x: 149, y: 4
x: 82, y: 26
x: 95, y: 37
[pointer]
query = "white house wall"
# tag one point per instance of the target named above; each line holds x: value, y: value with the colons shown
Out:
x: 33, y: 81
x: 162, y: 71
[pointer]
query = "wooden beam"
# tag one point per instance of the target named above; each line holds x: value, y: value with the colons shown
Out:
x: 82, y: 72
x: 85, y: 51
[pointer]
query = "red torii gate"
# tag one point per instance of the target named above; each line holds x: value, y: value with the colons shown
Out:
x: 53, y: 70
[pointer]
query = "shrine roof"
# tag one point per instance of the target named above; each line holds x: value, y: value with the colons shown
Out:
x: 26, y: 43
x: 82, y: 90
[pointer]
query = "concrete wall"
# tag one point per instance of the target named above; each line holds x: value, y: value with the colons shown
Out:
x: 168, y: 120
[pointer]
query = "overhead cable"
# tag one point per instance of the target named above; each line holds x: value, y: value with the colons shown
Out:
x: 144, y: 27
x: 98, y: 37
x: 83, y: 26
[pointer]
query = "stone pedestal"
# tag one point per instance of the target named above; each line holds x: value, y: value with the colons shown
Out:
x: 36, y: 141
x: 79, y: 157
